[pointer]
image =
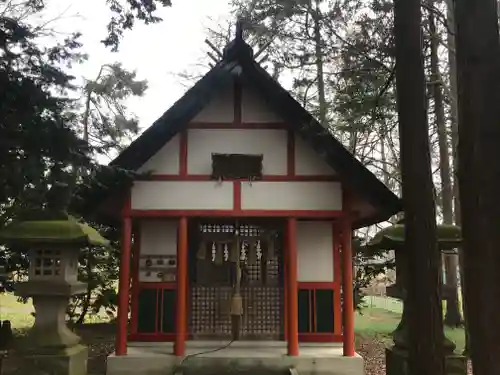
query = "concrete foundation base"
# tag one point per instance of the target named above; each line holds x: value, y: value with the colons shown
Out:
x: 241, y: 357
x: 70, y: 361
x: 397, y: 363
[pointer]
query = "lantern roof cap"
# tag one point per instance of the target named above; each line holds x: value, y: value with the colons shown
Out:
x: 393, y: 237
x: 62, y: 230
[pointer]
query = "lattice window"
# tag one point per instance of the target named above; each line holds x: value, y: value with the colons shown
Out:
x: 262, y: 316
x: 210, y: 311
x: 212, y: 289
x: 217, y: 228
x: 250, y: 230
x: 47, y: 263
x: 263, y: 308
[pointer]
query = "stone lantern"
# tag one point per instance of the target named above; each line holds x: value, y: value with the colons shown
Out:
x: 53, y: 242
x: 392, y: 238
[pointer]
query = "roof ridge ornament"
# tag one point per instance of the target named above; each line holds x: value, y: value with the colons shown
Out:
x: 237, y: 48
x: 239, y: 29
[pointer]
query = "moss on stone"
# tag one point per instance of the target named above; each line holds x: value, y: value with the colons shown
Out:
x: 68, y: 231
x: 393, y: 237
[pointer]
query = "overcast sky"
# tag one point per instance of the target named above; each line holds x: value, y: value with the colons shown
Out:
x: 158, y: 52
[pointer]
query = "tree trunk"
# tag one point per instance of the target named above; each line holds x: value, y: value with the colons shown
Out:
x: 318, y: 45
x: 478, y: 62
x: 452, y: 317
x: 452, y: 61
x: 426, y: 354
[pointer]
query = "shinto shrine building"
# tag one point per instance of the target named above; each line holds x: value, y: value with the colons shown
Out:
x: 239, y: 230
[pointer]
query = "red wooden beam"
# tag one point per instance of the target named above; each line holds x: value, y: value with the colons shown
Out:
x: 183, y: 154
x: 267, y: 178
x: 123, y: 288
x: 292, y: 297
x: 242, y: 213
x: 285, y: 286
x: 319, y: 337
x: 314, y: 336
x: 152, y: 337
x: 126, y: 204
x: 157, y: 285
x: 181, y: 302
x: 318, y: 285
x: 237, y: 196
x: 235, y: 125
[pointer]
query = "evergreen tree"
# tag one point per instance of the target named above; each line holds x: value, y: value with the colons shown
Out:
x: 36, y: 119
x: 106, y: 122
x: 478, y: 59
x: 426, y: 351
x: 126, y: 12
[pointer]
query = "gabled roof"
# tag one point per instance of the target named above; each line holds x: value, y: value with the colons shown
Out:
x: 238, y: 62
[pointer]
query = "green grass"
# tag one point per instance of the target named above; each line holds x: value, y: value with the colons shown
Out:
x: 382, y: 315
x: 20, y: 314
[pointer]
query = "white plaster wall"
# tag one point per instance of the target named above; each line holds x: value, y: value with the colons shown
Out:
x: 308, y: 162
x: 158, y: 237
x: 219, y: 109
x: 182, y: 195
x: 166, y: 160
x: 314, y: 251
x: 272, y: 143
x: 255, y: 109
x: 296, y: 195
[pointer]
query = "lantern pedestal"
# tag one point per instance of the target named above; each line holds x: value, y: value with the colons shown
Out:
x: 65, y: 361
x: 50, y: 347
x: 396, y: 362
x: 396, y: 356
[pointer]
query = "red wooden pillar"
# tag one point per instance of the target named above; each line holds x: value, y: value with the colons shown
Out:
x: 347, y: 286
x: 292, y: 288
x: 181, y: 303
x: 123, y: 288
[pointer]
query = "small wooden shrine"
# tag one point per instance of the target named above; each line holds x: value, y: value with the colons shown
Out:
x: 240, y: 225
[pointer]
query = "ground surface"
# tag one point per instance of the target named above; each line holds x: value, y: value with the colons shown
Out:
x: 373, y: 328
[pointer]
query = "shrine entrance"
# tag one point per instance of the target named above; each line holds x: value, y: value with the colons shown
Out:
x: 216, y: 246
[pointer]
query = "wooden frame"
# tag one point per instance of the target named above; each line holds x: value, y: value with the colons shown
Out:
x: 335, y: 286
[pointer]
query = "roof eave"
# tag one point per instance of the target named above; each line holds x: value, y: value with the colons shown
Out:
x: 379, y: 216
x: 304, y: 123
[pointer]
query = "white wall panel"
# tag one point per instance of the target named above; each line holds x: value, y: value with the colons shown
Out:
x: 272, y: 143
x: 158, y: 237
x: 255, y: 109
x: 308, y: 162
x: 314, y: 251
x: 296, y: 195
x: 219, y: 109
x: 158, y: 243
x: 182, y: 195
x: 166, y: 160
